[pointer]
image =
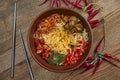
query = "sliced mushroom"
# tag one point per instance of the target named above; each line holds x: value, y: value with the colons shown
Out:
x: 72, y: 23
x: 73, y: 18
x: 66, y: 26
x: 66, y: 18
x: 79, y: 27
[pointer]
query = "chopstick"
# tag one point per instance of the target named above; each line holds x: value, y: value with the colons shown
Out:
x: 26, y: 56
x: 13, y: 42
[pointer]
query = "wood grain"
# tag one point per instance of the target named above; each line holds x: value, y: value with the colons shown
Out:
x: 27, y: 11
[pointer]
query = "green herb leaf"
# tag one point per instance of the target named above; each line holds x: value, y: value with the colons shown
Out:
x: 56, y: 58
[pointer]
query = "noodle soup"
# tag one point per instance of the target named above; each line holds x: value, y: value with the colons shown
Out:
x: 61, y: 39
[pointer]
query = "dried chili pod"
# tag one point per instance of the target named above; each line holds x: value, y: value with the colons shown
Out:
x: 99, y: 62
x: 43, y: 2
x: 110, y: 61
x: 52, y: 3
x: 88, y: 68
x: 66, y: 2
x: 111, y: 56
x: 92, y: 15
x: 85, y: 64
x: 99, y: 45
x: 58, y: 3
x: 86, y: 2
x: 94, y: 21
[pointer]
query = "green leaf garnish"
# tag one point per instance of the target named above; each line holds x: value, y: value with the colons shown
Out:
x: 56, y: 58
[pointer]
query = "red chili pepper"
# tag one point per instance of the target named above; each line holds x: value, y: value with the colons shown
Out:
x: 76, y: 4
x: 92, y: 15
x: 90, y: 58
x: 43, y: 2
x: 90, y: 11
x: 85, y: 64
x: 94, y: 21
x: 66, y: 2
x: 52, y: 3
x: 111, y: 56
x: 90, y: 7
x: 88, y: 68
x: 58, y: 3
x: 110, y: 61
x: 94, y: 25
x: 86, y: 2
x: 97, y: 65
x: 99, y: 45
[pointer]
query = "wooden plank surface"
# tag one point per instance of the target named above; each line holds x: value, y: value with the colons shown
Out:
x: 27, y: 11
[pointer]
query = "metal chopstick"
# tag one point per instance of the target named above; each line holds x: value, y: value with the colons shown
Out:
x: 26, y: 56
x: 13, y: 43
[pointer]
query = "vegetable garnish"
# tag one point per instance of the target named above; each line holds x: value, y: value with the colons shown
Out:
x: 56, y: 58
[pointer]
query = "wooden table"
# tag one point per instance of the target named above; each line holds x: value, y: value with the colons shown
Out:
x: 27, y: 10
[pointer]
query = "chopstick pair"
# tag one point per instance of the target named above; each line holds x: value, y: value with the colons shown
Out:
x: 13, y: 48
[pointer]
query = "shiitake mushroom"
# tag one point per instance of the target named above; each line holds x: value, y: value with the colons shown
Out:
x: 79, y: 26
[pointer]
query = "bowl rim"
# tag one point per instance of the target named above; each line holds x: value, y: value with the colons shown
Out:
x: 28, y: 41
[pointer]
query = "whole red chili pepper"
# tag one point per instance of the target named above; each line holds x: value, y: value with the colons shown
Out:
x: 92, y: 15
x: 43, y: 2
x: 66, y: 2
x: 58, y: 3
x: 110, y: 61
x: 52, y: 3
x: 77, y: 4
x: 85, y: 64
x: 111, y: 56
x: 90, y: 7
x: 97, y: 65
x: 86, y: 2
x: 94, y: 21
x: 90, y: 11
x: 99, y: 45
x: 90, y: 58
x: 88, y: 68
x: 94, y: 25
